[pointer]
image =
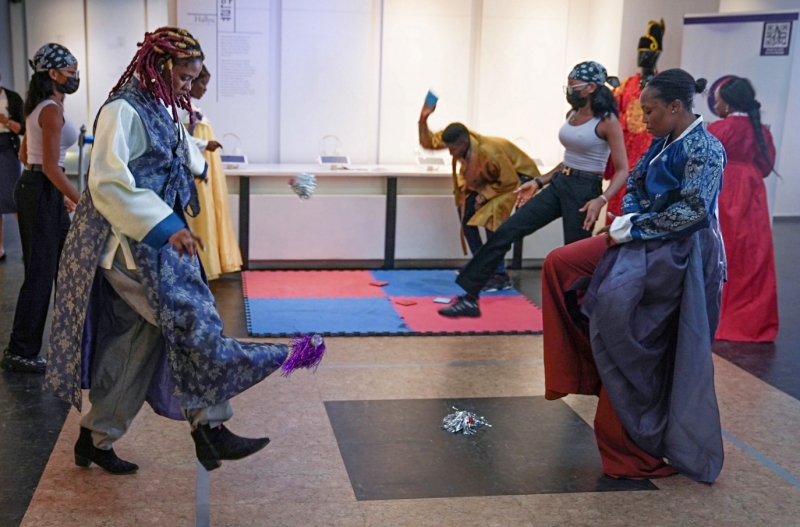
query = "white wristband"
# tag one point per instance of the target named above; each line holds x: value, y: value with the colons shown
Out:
x: 604, y: 198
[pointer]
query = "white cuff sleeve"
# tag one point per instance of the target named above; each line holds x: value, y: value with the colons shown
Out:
x: 620, y: 230
x: 197, y: 163
x: 201, y: 143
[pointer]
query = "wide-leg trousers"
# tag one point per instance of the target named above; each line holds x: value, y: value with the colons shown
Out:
x: 130, y: 347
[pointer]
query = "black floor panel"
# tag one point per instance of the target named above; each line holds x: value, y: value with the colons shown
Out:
x: 395, y: 449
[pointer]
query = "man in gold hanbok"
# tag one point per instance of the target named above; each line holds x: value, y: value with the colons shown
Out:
x: 486, y: 171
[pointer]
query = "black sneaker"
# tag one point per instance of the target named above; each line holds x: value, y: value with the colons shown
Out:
x: 499, y: 282
x: 463, y: 307
x: 15, y: 363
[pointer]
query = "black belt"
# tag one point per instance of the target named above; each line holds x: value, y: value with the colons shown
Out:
x: 34, y: 168
x: 574, y: 172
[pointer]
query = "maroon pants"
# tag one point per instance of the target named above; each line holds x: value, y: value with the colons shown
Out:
x: 569, y: 365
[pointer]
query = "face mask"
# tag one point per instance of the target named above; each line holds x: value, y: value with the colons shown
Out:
x: 576, y: 100
x: 70, y: 86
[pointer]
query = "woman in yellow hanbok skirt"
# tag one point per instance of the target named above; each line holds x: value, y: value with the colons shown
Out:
x: 213, y: 224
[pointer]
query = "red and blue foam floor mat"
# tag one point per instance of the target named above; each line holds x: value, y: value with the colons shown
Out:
x: 398, y: 302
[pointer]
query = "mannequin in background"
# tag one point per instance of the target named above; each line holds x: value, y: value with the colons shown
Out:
x: 637, y: 139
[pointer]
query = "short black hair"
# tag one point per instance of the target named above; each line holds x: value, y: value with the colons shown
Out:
x: 677, y: 85
x: 455, y: 133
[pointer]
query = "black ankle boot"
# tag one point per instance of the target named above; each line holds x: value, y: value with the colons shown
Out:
x: 86, y: 454
x: 17, y: 364
x: 213, y: 445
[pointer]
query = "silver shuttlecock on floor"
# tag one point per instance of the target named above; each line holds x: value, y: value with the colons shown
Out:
x: 304, y: 185
x: 462, y: 421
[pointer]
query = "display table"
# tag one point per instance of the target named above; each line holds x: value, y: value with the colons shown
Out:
x: 390, y: 173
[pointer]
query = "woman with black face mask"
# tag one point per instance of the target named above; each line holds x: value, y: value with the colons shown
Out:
x: 44, y: 196
x: 574, y: 190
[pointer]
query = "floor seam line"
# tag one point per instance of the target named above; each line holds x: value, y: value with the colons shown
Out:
x: 761, y: 458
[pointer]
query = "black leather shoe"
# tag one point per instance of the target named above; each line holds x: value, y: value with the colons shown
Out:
x: 213, y: 445
x: 463, y: 307
x: 15, y: 363
x: 86, y: 454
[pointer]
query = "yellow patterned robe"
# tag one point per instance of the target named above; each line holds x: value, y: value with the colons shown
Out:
x: 492, y: 170
x: 213, y: 224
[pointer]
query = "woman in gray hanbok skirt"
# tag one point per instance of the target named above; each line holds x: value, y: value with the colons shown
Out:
x: 652, y: 302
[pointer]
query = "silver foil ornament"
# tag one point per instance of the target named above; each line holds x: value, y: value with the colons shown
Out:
x: 304, y: 185
x: 462, y: 421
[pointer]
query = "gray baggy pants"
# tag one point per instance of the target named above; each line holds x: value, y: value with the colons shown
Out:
x: 132, y: 345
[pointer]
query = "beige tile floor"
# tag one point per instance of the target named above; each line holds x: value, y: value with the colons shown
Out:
x: 300, y: 478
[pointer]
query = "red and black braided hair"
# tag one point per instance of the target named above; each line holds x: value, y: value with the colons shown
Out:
x: 162, y: 48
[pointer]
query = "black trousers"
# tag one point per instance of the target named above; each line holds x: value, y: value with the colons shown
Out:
x: 561, y: 199
x: 471, y: 233
x: 43, y: 226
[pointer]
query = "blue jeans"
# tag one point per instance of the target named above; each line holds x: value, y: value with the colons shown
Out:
x: 472, y: 234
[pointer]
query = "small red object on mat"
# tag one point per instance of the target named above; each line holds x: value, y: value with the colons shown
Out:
x: 379, y: 284
x: 403, y: 302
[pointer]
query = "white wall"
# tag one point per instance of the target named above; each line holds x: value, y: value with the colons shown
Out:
x: 522, y: 70
x: 426, y: 45
x: 359, y: 70
x: 19, y: 47
x: 636, y: 15
x: 741, y: 6
x: 329, y: 78
x: 112, y: 45
x: 6, y: 64
x: 787, y: 195
x: 62, y: 22
x: 92, y: 26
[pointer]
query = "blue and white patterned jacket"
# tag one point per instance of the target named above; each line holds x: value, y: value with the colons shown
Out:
x: 673, y: 189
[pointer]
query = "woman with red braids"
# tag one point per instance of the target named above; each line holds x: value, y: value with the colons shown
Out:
x: 134, y: 318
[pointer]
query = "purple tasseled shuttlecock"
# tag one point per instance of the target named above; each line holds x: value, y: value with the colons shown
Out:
x: 305, y: 351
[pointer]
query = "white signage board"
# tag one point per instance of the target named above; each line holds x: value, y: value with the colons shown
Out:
x: 234, y: 38
x: 757, y: 46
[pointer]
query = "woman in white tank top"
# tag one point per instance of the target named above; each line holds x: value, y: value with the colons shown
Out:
x: 44, y: 196
x: 591, y: 133
x: 572, y: 191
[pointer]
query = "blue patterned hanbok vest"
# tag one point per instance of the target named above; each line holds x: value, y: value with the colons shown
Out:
x: 205, y: 367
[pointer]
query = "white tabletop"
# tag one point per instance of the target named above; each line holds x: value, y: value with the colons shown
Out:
x: 283, y: 170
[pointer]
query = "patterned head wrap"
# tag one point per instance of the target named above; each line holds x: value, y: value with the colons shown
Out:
x: 51, y: 56
x: 654, y: 37
x: 591, y: 71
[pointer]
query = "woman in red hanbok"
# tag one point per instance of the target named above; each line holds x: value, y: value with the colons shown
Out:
x: 749, y: 297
